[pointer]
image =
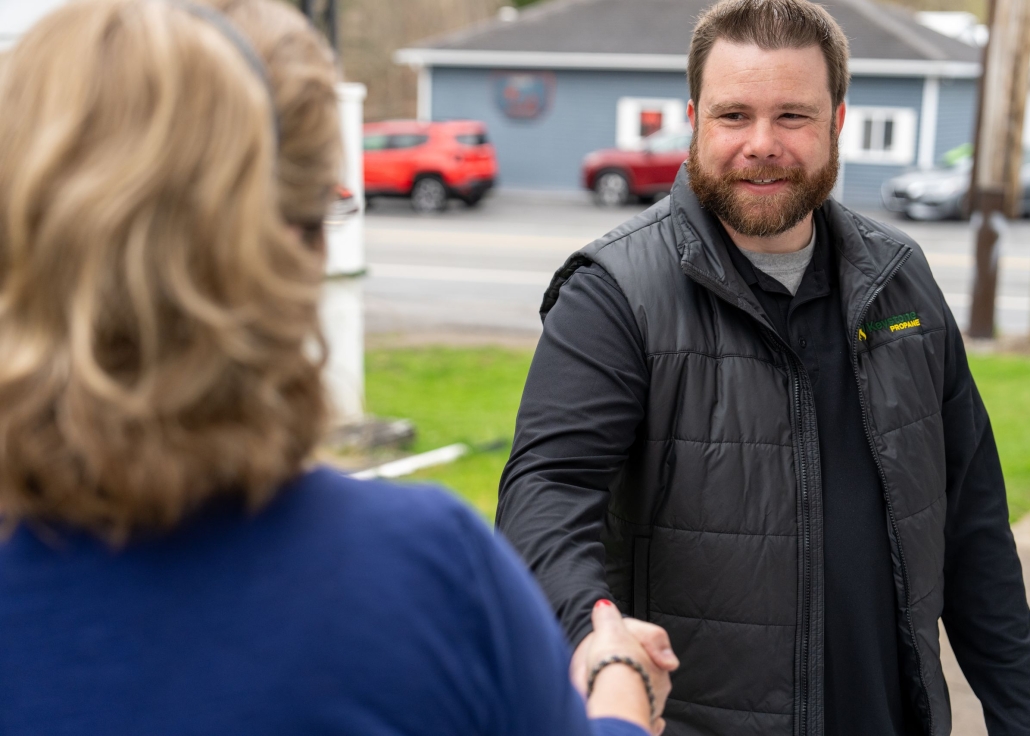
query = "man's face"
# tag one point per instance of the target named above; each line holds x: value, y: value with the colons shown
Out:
x: 764, y: 152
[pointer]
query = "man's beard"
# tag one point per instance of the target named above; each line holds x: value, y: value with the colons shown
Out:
x: 762, y: 215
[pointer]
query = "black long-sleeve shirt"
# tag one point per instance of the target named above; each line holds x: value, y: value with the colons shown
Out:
x: 585, y: 397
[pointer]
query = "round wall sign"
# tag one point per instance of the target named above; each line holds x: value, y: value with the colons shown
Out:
x: 524, y: 95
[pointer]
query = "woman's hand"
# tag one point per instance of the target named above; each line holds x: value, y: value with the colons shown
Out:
x: 619, y: 690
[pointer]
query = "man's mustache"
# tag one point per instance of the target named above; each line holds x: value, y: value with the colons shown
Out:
x: 793, y: 174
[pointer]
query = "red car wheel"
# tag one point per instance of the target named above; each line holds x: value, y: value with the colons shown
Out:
x: 612, y: 188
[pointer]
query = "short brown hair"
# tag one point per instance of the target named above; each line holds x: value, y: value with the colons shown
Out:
x: 771, y: 24
x: 158, y: 317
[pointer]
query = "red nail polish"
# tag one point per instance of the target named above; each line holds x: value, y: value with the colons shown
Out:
x: 603, y: 602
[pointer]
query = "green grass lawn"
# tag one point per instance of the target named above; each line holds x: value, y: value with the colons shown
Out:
x: 1004, y: 383
x: 471, y: 395
x: 468, y: 395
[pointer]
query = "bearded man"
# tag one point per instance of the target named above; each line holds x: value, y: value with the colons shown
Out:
x: 750, y: 420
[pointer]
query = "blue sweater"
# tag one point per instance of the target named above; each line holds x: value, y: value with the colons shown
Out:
x: 346, y: 607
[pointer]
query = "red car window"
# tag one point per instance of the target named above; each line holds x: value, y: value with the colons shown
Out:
x: 472, y: 139
x: 407, y: 140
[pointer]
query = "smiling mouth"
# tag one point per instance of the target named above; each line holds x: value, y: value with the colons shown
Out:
x: 762, y: 181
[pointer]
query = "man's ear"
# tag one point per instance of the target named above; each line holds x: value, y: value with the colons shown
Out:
x: 838, y: 117
x: 692, y: 114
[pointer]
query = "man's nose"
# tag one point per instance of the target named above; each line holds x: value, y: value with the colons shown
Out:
x: 762, y: 143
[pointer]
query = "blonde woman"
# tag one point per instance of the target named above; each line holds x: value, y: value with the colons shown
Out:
x: 169, y: 564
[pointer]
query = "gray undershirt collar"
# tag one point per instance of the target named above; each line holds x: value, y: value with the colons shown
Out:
x: 787, y: 268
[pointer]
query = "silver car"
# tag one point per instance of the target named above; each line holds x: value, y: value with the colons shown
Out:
x: 941, y: 193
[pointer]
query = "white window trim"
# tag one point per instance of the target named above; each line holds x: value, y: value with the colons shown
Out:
x: 928, y: 121
x: 627, y: 117
x: 903, y: 150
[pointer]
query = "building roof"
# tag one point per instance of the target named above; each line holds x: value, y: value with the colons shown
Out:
x: 655, y: 34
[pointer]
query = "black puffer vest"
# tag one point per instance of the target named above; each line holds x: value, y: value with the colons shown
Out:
x: 714, y: 529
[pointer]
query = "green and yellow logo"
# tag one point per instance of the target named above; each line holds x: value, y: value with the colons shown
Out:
x: 897, y: 323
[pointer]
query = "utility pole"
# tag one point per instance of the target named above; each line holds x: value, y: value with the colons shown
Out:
x: 999, y: 147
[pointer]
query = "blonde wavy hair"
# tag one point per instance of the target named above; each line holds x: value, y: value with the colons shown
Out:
x: 158, y: 308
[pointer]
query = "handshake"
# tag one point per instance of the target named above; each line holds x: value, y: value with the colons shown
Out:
x: 622, y: 668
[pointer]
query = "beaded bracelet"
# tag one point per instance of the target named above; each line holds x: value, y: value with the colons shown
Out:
x: 629, y: 662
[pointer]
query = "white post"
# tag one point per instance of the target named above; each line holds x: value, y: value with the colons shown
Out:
x: 425, y: 93
x: 345, y: 238
x: 342, y: 309
x: 928, y: 122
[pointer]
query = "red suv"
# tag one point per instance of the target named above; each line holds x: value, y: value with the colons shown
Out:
x: 429, y: 162
x: 615, y: 175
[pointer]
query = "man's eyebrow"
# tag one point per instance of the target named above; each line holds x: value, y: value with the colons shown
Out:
x: 721, y: 108
x: 800, y: 107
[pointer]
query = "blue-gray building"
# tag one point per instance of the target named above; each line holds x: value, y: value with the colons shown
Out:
x: 566, y: 77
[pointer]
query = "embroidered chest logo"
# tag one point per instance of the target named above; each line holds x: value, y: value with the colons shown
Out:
x: 897, y: 323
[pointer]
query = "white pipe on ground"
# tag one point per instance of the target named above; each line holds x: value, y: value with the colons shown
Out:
x: 408, y: 465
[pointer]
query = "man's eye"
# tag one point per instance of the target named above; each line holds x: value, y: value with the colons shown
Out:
x: 794, y: 116
x: 733, y: 116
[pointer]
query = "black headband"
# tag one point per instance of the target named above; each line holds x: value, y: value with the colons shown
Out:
x: 237, y: 39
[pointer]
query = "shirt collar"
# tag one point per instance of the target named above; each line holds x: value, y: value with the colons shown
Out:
x: 815, y: 283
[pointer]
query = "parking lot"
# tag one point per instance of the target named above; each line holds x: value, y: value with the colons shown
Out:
x: 484, y: 269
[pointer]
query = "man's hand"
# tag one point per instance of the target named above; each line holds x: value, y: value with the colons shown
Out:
x: 652, y: 639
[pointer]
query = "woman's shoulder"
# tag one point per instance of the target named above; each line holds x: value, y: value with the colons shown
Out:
x: 332, y: 491
x: 323, y: 502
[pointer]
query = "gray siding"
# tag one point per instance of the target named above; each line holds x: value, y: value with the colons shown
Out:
x: 887, y: 92
x: 862, y: 181
x: 956, y: 120
x: 546, y: 153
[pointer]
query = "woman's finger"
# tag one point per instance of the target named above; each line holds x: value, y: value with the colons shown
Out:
x: 605, y: 617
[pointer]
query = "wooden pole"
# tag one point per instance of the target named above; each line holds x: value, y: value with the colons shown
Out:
x: 999, y: 148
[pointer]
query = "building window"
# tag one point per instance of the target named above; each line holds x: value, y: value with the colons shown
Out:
x: 879, y: 135
x: 639, y: 117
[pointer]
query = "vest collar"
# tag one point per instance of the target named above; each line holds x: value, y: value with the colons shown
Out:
x: 868, y: 254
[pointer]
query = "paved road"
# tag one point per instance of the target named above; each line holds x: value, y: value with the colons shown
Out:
x: 486, y: 268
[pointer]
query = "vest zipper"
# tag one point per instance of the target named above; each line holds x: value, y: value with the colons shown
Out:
x: 796, y: 371
x: 883, y: 480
